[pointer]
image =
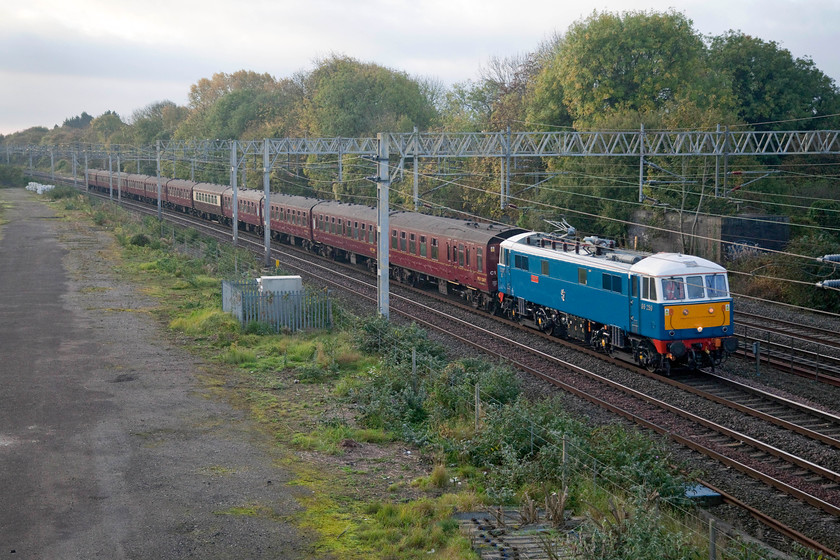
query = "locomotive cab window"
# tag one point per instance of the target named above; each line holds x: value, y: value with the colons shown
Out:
x: 673, y: 288
x: 716, y: 285
x: 520, y: 262
x: 694, y: 287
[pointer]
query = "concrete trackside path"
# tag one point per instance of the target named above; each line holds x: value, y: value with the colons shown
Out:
x: 108, y: 446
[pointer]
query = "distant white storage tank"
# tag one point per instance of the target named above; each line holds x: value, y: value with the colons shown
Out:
x: 280, y: 284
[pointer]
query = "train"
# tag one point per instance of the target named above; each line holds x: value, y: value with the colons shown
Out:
x: 661, y: 311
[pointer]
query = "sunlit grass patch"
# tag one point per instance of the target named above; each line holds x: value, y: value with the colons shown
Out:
x: 331, y: 437
x: 238, y: 356
x: 205, y: 322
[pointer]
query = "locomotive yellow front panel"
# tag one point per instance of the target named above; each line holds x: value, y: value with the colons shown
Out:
x: 697, y: 315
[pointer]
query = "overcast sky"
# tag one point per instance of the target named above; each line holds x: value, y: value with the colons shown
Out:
x: 59, y: 58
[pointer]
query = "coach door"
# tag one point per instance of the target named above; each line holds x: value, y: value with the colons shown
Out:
x: 635, y: 303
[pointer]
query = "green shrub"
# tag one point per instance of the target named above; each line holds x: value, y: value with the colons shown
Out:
x: 61, y: 193
x: 139, y: 240
x: 11, y: 176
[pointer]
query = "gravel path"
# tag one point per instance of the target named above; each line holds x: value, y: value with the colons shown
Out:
x: 109, y: 447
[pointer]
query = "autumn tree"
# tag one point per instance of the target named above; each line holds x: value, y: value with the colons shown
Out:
x: 107, y: 128
x: 636, y: 61
x: 772, y: 89
x: 80, y: 121
x: 346, y: 97
x: 206, y: 91
x: 157, y: 121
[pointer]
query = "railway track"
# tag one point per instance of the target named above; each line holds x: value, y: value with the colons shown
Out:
x: 798, y: 477
x: 805, y: 420
x: 803, y: 350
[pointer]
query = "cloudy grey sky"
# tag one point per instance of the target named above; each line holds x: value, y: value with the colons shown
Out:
x: 61, y: 57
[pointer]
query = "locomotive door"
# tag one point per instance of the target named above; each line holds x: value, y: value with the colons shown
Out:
x: 504, y: 272
x: 635, y: 304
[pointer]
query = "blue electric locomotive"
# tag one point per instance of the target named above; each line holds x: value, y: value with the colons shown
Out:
x: 661, y: 310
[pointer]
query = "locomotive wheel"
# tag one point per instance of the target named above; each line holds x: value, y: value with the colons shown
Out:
x: 647, y: 357
x: 692, y: 360
x: 542, y: 321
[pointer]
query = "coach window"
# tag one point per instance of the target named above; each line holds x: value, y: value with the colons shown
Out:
x: 582, y: 276
x: 479, y: 259
x: 412, y: 245
x: 356, y: 230
x: 403, y: 246
x: 371, y: 236
x: 393, y: 239
x: 422, y: 245
x: 434, y: 249
x: 460, y: 254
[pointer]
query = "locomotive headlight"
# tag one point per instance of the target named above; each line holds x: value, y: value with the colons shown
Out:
x: 699, y: 329
x: 711, y: 311
x: 685, y: 311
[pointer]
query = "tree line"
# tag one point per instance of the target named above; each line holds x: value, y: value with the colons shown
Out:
x: 614, y: 71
